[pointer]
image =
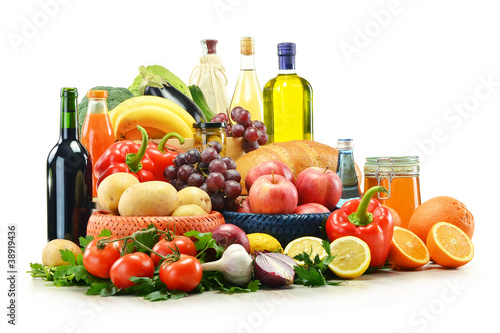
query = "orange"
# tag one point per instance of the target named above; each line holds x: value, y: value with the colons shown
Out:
x: 440, y: 209
x: 449, y: 246
x: 395, y: 216
x: 407, y: 251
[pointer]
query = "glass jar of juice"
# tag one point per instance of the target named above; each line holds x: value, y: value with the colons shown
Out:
x: 400, y: 176
x: 97, y: 130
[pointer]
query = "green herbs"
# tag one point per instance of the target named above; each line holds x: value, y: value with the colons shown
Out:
x: 312, y: 273
x: 152, y: 289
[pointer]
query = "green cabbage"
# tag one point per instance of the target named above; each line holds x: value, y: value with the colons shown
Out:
x: 164, y: 73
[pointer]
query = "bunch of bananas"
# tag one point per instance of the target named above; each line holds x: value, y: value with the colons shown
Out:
x: 157, y: 115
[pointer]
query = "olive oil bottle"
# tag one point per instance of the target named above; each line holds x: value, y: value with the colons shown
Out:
x: 288, y: 101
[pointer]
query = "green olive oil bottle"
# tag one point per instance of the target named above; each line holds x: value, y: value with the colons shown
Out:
x: 288, y: 101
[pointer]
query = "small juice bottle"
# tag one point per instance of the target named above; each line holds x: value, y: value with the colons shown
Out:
x: 97, y: 130
x: 400, y: 176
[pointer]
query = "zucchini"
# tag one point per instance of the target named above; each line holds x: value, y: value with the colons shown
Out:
x: 200, y: 100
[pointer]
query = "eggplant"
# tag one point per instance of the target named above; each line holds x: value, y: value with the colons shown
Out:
x: 155, y: 85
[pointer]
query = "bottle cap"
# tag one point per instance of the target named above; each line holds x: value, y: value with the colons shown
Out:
x: 344, y: 144
x: 286, y: 49
x: 247, y: 46
x: 210, y: 45
x: 209, y: 125
x: 69, y: 92
x: 97, y: 94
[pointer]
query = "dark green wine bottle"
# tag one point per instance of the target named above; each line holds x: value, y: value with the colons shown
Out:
x: 69, y: 177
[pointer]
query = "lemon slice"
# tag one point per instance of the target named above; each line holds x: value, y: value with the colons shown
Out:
x: 310, y: 245
x: 352, y: 257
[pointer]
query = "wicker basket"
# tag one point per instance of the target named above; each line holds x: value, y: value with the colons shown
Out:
x: 284, y: 228
x: 121, y: 226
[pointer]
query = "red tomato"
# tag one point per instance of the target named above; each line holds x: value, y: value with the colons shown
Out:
x: 98, y: 261
x: 133, y: 264
x: 184, y: 274
x: 164, y: 247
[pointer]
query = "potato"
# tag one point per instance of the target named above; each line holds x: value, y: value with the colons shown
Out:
x: 111, y: 189
x: 51, y: 255
x: 189, y: 210
x: 195, y: 195
x: 153, y: 198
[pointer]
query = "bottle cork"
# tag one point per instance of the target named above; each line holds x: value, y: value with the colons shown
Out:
x: 247, y: 46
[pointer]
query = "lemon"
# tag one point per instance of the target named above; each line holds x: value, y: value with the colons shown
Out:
x: 310, y: 245
x: 263, y: 242
x: 352, y: 257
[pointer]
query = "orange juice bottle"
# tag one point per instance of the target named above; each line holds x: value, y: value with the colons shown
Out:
x: 400, y: 176
x: 97, y: 130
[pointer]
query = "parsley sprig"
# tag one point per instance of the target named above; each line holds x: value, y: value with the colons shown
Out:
x: 312, y: 272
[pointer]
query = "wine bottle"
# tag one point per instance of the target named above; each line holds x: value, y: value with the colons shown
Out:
x: 288, y: 101
x: 248, y: 93
x: 69, y: 177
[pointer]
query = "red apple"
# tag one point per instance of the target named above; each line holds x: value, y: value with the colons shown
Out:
x: 243, y: 205
x: 319, y: 185
x: 266, y: 168
x: 311, y: 207
x: 273, y: 194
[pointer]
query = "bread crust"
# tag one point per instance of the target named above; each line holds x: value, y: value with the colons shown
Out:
x: 296, y: 154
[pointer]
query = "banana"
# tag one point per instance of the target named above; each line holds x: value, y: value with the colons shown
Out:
x: 161, y: 119
x: 149, y: 102
x: 135, y: 134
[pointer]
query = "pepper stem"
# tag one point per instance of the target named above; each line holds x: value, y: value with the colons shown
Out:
x: 361, y: 217
x: 134, y: 160
x: 161, y: 145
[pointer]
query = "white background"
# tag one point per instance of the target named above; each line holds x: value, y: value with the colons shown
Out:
x: 389, y: 74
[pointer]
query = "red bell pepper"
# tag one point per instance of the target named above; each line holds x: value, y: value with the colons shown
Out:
x: 366, y: 219
x: 126, y: 156
x: 163, y: 155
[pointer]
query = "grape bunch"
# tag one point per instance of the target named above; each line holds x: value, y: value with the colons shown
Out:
x: 210, y: 172
x: 253, y: 132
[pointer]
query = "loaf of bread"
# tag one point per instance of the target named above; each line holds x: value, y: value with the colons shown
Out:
x: 297, y: 154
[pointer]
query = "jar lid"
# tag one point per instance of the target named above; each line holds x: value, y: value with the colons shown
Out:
x: 209, y: 125
x: 391, y: 165
x: 392, y: 160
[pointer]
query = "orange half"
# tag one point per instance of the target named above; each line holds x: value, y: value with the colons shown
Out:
x: 407, y: 251
x: 449, y: 246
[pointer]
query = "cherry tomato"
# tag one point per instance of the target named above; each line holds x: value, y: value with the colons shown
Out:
x: 133, y: 264
x: 98, y: 261
x: 184, y: 274
x: 164, y: 247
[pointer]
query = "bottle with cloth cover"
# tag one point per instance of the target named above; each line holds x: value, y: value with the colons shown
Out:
x: 210, y: 77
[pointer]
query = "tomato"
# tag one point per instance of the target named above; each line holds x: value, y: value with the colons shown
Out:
x: 164, y: 247
x: 133, y: 264
x: 98, y: 261
x: 184, y: 274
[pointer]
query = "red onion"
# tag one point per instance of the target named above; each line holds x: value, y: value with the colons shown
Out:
x: 227, y: 234
x: 274, y: 270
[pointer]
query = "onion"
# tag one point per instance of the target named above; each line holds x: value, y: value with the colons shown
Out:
x: 274, y: 270
x: 227, y: 234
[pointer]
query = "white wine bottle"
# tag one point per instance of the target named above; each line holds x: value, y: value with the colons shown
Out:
x: 288, y: 101
x: 248, y: 93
